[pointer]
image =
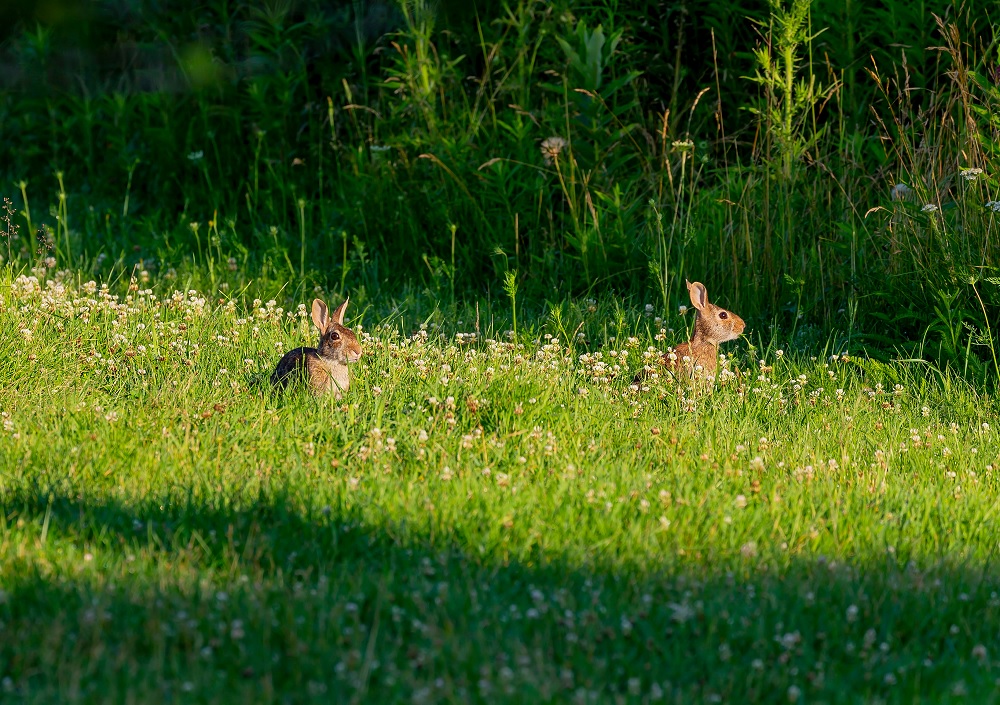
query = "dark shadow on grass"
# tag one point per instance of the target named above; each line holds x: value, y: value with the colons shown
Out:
x: 190, y: 603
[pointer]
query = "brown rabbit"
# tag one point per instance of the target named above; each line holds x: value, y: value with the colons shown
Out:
x: 712, y: 325
x: 325, y: 367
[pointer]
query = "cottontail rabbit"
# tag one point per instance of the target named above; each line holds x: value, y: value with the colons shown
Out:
x: 325, y: 366
x: 712, y: 325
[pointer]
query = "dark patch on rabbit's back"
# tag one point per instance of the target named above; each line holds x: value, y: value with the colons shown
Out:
x: 294, y: 364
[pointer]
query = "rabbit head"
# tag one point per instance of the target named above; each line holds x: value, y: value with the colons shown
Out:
x: 712, y: 324
x: 336, y: 342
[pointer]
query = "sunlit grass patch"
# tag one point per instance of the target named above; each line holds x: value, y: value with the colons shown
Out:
x: 484, y: 516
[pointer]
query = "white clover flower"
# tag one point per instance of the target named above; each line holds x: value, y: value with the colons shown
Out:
x: 196, y: 156
x: 979, y: 653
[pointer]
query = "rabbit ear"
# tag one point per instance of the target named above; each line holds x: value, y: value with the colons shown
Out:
x: 319, y: 315
x: 338, y: 315
x: 699, y: 294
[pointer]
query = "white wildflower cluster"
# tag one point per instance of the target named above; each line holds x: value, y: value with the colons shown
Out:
x: 594, y: 366
x: 377, y: 443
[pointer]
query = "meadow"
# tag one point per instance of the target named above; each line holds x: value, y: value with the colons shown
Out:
x: 484, y: 516
x: 512, y: 198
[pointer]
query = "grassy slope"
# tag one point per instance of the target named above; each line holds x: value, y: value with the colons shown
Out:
x: 468, y: 525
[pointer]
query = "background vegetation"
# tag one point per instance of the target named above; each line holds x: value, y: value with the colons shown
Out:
x: 377, y: 145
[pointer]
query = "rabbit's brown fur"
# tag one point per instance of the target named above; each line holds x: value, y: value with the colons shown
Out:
x: 712, y: 325
x: 324, y: 367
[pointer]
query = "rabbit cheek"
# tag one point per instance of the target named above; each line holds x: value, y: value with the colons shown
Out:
x: 327, y: 376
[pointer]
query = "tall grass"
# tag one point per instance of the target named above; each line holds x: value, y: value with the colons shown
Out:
x: 403, y: 142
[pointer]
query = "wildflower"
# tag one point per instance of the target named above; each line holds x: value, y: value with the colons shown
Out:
x: 682, y: 309
x: 993, y: 206
x: 682, y: 145
x: 901, y: 192
x: 681, y: 612
x: 979, y: 653
x: 757, y: 464
x: 551, y: 147
x: 196, y: 156
x: 970, y: 174
x: 929, y: 208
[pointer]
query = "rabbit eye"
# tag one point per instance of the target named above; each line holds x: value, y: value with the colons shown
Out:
x: 723, y: 315
x: 334, y: 335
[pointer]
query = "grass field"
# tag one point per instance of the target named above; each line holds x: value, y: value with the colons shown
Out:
x: 482, y: 518
x: 513, y: 198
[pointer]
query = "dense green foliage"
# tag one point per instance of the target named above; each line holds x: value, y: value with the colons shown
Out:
x: 750, y: 145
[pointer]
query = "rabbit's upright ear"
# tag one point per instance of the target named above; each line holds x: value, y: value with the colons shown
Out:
x: 338, y: 315
x: 699, y: 294
x: 319, y: 315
